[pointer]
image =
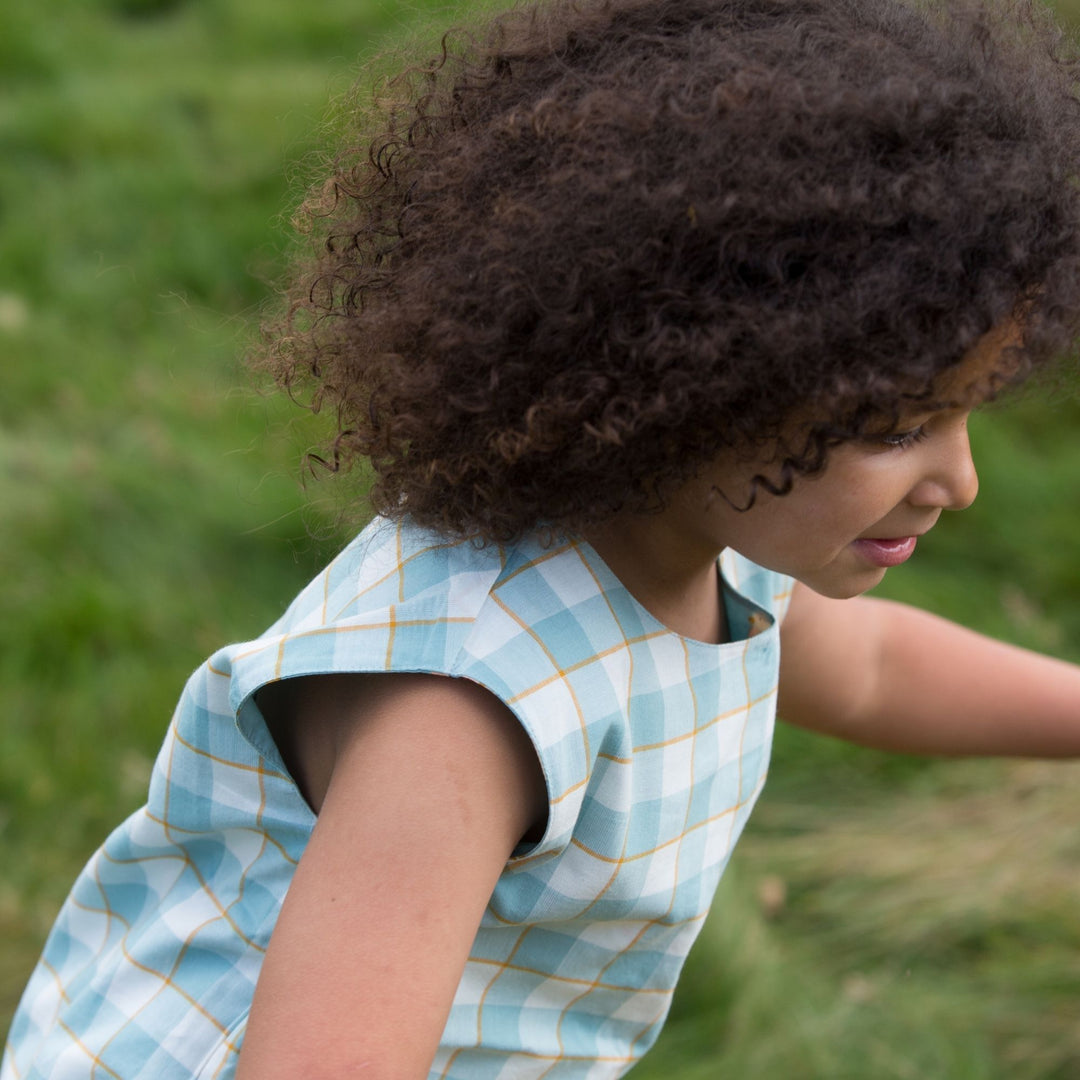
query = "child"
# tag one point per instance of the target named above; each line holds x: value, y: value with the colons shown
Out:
x: 660, y: 322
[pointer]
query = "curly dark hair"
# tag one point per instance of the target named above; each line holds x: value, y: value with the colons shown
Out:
x: 599, y: 242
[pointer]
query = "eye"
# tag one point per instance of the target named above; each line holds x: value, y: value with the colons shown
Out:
x: 903, y: 439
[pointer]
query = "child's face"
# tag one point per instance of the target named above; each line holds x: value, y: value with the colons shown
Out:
x: 838, y: 532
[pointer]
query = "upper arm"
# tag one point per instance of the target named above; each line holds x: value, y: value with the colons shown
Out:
x: 433, y: 784
x: 891, y: 676
x: 829, y: 660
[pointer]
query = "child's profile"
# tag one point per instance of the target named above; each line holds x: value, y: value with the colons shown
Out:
x: 659, y: 325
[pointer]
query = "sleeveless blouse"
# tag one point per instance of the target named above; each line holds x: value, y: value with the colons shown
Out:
x: 653, y: 748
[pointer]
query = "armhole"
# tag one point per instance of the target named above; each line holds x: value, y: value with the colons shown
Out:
x: 553, y: 836
x: 252, y: 725
x: 254, y: 729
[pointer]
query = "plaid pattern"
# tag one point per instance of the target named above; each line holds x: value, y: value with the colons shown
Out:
x: 654, y: 748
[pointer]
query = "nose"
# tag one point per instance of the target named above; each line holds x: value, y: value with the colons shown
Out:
x: 949, y: 481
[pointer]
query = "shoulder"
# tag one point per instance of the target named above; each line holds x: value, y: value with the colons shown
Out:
x: 403, y: 598
x: 397, y: 598
x: 396, y: 566
x: 535, y: 626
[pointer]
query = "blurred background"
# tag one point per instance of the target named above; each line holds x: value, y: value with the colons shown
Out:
x: 884, y: 917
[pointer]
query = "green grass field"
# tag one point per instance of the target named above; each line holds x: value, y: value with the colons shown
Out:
x: 884, y: 918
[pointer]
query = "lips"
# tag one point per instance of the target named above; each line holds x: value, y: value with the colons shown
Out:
x: 886, y: 552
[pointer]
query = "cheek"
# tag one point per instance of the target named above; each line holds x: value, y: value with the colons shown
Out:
x: 817, y: 510
x: 816, y: 528
x: 862, y: 493
x: 819, y: 517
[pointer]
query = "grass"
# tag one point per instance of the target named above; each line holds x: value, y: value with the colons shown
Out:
x: 923, y: 936
x: 885, y: 916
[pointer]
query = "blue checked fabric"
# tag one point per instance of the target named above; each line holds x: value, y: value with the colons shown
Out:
x: 654, y: 748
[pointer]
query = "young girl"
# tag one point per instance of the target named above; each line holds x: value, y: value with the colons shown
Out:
x: 660, y: 322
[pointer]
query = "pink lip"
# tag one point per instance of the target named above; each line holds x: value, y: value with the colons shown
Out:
x: 884, y: 553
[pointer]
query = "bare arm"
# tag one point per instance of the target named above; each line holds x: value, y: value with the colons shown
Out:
x: 890, y: 676
x: 433, y: 783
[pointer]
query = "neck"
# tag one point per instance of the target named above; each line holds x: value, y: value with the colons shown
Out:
x: 677, y: 584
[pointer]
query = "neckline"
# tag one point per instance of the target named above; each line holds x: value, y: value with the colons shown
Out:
x: 740, y: 612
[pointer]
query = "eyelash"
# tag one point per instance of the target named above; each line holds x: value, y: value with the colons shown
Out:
x: 903, y: 439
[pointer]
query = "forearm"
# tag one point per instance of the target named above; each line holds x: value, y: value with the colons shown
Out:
x: 890, y: 676
x: 944, y: 689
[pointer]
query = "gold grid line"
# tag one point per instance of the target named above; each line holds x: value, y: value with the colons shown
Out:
x: 618, y: 622
x: 322, y: 631
x: 613, y: 876
x: 105, y: 900
x: 674, y: 885
x: 546, y: 975
x: 647, y: 1028
x: 733, y: 809
x: 98, y: 1063
x: 390, y: 636
x: 56, y: 978
x: 167, y: 981
x: 166, y: 826
x: 687, y: 828
x: 244, y: 876
x: 547, y: 556
x: 742, y: 736
x: 242, y: 766
x: 708, y: 723
x: 202, y: 832
x: 182, y: 856
x: 602, y: 893
x: 261, y: 811
x: 593, y: 658
x: 556, y: 1058
x: 326, y: 591
x: 551, y: 659
x: 502, y: 965
x: 76, y: 902
x: 402, y: 563
x: 230, y: 1043
x: 562, y: 1055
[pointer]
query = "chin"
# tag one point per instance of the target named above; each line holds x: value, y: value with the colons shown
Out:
x: 843, y: 587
